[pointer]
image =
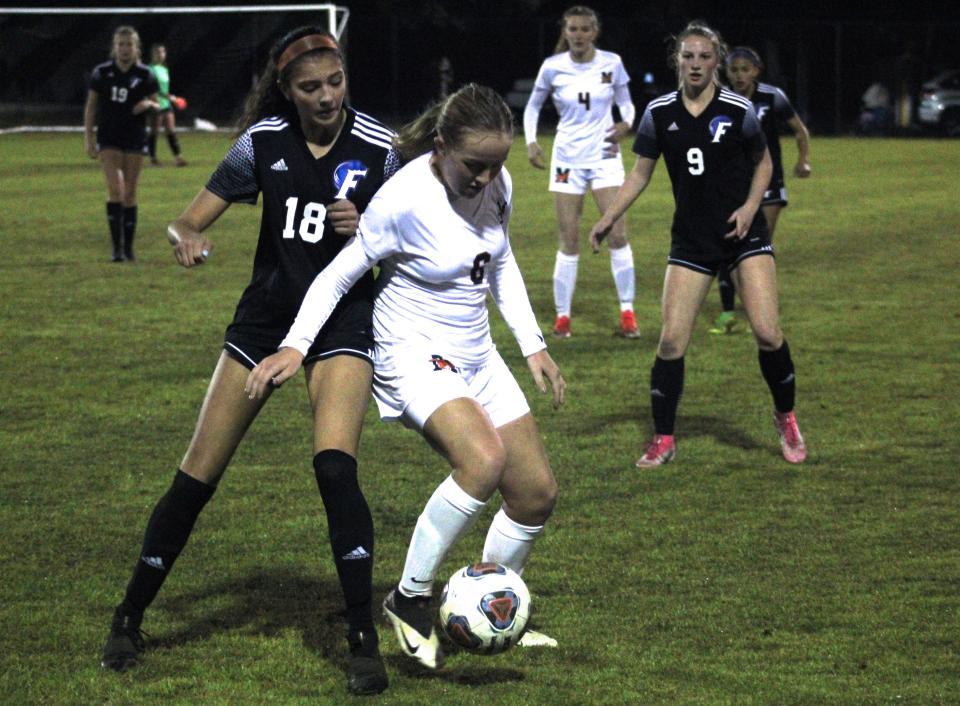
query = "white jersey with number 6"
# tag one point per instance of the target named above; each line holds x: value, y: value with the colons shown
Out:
x: 438, y: 259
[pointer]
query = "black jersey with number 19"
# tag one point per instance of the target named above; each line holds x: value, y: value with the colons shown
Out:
x: 711, y: 159
x: 296, y: 240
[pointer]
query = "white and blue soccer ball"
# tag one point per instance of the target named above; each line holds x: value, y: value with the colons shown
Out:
x: 484, y: 608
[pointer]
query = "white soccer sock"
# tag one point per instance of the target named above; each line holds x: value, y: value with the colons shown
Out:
x: 564, y: 282
x: 509, y: 543
x: 621, y: 265
x: 448, y: 514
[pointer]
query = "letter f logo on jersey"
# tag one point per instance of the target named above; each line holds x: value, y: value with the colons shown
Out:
x: 718, y: 126
x: 347, y: 176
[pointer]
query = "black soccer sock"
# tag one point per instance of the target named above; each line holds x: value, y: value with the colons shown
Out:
x: 152, y: 145
x: 666, y: 388
x: 129, y: 228
x: 174, y: 144
x: 351, y: 532
x: 777, y: 369
x: 167, y: 533
x: 115, y: 221
x: 728, y: 291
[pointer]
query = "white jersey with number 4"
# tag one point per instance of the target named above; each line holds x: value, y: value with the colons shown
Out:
x: 438, y: 259
x: 584, y: 95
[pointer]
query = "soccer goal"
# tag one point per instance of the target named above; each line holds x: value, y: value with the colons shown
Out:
x: 213, y: 54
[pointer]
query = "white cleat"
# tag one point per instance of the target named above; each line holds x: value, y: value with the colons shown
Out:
x: 532, y: 638
x: 403, y: 615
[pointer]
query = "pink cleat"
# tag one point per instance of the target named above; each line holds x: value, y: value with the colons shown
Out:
x: 659, y: 451
x: 628, y: 325
x: 791, y: 440
x: 561, y: 327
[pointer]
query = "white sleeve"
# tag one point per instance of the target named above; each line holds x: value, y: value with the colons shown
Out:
x: 621, y: 96
x: 510, y: 294
x: 531, y: 114
x: 325, y: 292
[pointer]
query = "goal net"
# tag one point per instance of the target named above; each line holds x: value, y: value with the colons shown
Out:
x: 213, y: 55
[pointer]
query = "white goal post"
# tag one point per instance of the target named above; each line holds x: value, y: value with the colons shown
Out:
x: 337, y: 15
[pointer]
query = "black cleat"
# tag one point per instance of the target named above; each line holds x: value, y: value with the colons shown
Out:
x: 413, y: 620
x: 124, y: 643
x: 365, y: 671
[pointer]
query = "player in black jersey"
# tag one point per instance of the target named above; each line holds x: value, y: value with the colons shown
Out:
x: 121, y: 92
x: 317, y: 164
x: 743, y: 67
x: 719, y: 167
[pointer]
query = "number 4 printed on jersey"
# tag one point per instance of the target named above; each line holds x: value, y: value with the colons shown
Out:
x: 311, y: 224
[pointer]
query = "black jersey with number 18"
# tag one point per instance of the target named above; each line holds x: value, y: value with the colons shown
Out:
x: 711, y: 159
x: 296, y: 240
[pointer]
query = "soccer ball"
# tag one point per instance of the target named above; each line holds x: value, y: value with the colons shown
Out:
x: 485, y: 608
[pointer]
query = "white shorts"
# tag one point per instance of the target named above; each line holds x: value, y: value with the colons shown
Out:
x: 567, y: 179
x: 411, y: 383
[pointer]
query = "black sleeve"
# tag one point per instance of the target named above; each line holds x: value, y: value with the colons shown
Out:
x: 235, y: 180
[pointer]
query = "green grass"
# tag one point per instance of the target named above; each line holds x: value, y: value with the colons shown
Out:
x: 726, y: 577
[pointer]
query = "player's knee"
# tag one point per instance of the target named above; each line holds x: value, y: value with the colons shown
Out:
x: 535, y: 505
x: 484, y: 466
x: 670, y: 348
x: 769, y: 338
x: 334, y: 470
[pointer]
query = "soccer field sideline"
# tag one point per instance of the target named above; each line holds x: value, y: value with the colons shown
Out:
x: 725, y: 577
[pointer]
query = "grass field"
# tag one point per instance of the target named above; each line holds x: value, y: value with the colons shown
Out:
x: 726, y: 577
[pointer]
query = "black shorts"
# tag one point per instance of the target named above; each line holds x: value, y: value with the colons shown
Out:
x: 125, y: 141
x: 776, y: 195
x: 737, y: 252
x: 249, y: 347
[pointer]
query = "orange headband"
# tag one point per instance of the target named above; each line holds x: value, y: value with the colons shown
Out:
x: 302, y: 46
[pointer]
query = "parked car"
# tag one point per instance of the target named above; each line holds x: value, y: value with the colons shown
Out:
x: 940, y: 103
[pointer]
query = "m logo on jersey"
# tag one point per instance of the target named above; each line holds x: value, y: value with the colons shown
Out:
x: 441, y: 363
x: 606, y: 77
x: 718, y: 127
x: 563, y: 176
x: 347, y: 176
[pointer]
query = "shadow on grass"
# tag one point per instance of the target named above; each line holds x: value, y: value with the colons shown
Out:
x: 269, y: 603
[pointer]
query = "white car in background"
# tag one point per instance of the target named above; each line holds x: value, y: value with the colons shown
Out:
x: 940, y: 103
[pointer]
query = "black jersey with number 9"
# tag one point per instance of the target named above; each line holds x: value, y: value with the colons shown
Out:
x: 711, y: 159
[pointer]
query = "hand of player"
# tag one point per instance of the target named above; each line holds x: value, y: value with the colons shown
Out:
x: 273, y: 371
x: 802, y: 170
x: 741, y: 219
x: 535, y: 155
x: 541, y: 365
x: 617, y: 132
x: 189, y: 249
x: 344, y: 217
x: 90, y: 147
x: 599, y: 231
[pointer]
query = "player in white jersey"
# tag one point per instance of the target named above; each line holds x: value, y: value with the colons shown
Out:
x: 438, y: 229
x: 584, y: 83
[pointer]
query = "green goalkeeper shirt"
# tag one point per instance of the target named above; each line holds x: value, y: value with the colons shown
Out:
x: 163, y: 79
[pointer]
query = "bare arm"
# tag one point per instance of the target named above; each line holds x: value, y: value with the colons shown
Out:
x: 636, y: 181
x: 89, y: 118
x: 802, y: 168
x: 742, y: 218
x: 146, y: 104
x: 190, y: 246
